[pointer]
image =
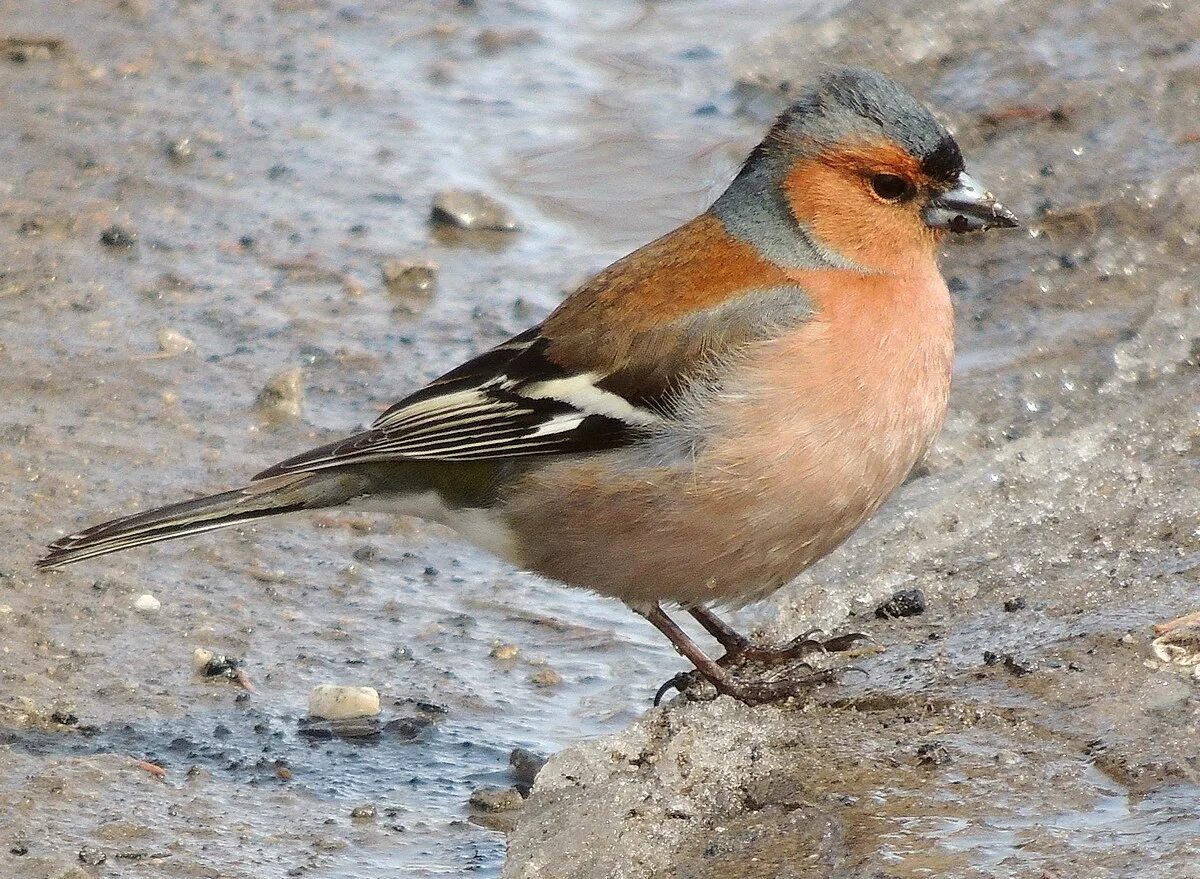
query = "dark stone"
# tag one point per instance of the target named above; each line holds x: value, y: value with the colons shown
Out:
x: 904, y: 603
x: 933, y: 754
x: 92, y: 856
x: 524, y: 768
x: 118, y: 238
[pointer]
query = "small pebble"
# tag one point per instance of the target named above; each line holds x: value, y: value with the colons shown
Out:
x: 336, y: 702
x: 490, y: 798
x: 471, y: 210
x: 283, y: 396
x: 179, y: 151
x: 1018, y: 667
x: 172, y: 342
x: 904, y: 603
x: 504, y: 652
x: 349, y: 728
x: 201, y: 658
x: 147, y: 604
x: 92, y: 856
x: 547, y: 677
x: 213, y: 665
x: 933, y: 754
x: 407, y: 729
x: 524, y: 767
x: 1179, y: 647
x: 409, y: 278
x: 1015, y: 604
x: 118, y: 238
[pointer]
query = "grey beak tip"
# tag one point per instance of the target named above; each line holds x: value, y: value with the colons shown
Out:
x: 968, y: 207
x: 1004, y: 218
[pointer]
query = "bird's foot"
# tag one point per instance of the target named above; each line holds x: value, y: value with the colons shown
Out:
x: 747, y: 672
x: 799, y: 649
x: 699, y: 687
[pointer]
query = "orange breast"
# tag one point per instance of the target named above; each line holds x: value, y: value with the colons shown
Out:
x: 801, y: 443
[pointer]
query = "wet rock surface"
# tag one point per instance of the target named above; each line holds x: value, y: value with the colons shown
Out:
x: 470, y: 210
x: 994, y: 736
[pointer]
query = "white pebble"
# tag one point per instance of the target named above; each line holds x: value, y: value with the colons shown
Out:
x: 201, y: 658
x: 336, y: 702
x: 172, y: 342
x: 147, y: 603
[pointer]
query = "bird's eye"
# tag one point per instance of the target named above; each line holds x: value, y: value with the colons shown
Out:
x: 889, y: 187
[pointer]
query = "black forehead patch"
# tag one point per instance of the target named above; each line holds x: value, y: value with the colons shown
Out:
x: 853, y: 101
x: 945, y: 163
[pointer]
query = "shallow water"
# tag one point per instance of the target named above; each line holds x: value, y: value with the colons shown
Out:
x: 316, y: 137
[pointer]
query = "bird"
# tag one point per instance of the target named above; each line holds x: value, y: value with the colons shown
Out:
x: 705, y: 418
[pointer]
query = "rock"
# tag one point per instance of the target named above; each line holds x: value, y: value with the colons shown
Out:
x: 118, y: 238
x: 933, y: 754
x: 472, y: 210
x: 524, y: 768
x: 363, y: 813
x: 23, y: 49
x: 493, y: 40
x: 504, y: 652
x: 407, y: 729
x: 201, y: 657
x: 179, y: 151
x: 213, y: 665
x: 282, y: 398
x: 491, y: 798
x: 1179, y: 647
x: 904, y: 603
x: 92, y: 856
x: 347, y: 728
x: 546, y: 677
x: 337, y: 702
x: 409, y: 278
x: 147, y: 604
x: 1014, y: 604
x: 172, y: 342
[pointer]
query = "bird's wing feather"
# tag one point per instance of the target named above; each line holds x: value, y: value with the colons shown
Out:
x: 603, y: 370
x: 511, y: 401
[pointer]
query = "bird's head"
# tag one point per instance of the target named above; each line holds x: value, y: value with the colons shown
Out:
x: 866, y: 171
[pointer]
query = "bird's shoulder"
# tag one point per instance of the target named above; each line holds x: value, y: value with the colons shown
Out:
x: 604, y: 369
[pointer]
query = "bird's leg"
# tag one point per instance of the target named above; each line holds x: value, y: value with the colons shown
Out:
x: 739, y: 649
x: 749, y: 692
x: 687, y: 648
x: 730, y: 638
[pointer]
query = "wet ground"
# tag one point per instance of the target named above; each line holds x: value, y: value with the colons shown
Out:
x: 239, y: 174
x: 1025, y: 724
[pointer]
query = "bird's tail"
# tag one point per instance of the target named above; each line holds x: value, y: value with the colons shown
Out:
x: 267, y: 497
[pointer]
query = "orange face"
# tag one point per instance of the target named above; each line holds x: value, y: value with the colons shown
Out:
x: 865, y: 202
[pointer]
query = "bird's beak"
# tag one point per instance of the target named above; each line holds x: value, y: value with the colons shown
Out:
x: 968, y: 207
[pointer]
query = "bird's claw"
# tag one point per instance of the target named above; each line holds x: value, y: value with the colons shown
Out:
x: 681, y: 682
x: 697, y: 686
x: 799, y: 648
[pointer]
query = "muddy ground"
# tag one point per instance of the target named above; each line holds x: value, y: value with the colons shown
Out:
x: 1023, y: 725
x: 241, y: 174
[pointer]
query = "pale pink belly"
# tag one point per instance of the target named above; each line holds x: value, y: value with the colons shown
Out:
x: 753, y: 511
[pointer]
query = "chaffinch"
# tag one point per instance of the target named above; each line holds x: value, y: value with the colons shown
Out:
x: 705, y: 418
